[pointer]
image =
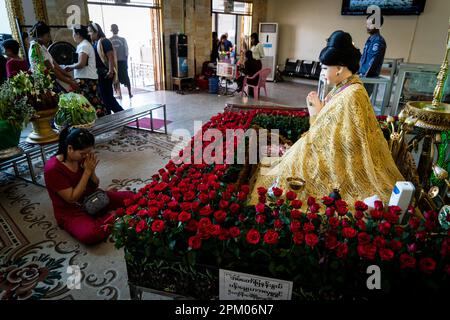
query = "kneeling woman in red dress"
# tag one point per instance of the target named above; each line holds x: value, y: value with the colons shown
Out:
x: 70, y: 177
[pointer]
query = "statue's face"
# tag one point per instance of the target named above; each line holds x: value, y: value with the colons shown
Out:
x: 331, y: 74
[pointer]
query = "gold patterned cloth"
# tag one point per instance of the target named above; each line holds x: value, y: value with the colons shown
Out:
x: 344, y: 148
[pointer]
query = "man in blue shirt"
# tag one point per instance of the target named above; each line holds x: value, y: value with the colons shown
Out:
x: 374, y: 51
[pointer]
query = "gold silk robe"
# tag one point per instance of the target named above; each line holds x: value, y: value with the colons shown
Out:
x: 344, y: 148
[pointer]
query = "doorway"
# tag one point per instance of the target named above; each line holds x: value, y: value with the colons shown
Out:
x: 140, y: 25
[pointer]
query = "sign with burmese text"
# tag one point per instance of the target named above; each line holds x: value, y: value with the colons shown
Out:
x: 243, y: 286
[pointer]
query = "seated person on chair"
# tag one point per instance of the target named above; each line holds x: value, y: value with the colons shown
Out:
x: 344, y: 147
x: 70, y: 177
x: 249, y: 69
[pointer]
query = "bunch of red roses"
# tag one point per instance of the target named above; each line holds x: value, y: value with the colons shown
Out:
x: 189, y: 211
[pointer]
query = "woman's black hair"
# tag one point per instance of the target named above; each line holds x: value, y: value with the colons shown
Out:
x: 254, y: 35
x: 97, y: 29
x: 82, y: 31
x: 12, y: 45
x: 249, y: 54
x: 340, y: 51
x: 40, y: 29
x: 78, y: 138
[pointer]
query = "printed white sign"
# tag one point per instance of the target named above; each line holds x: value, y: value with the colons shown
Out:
x: 243, y: 286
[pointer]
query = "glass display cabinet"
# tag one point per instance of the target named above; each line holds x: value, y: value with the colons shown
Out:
x: 416, y: 82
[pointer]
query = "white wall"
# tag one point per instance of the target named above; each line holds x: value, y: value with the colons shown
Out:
x: 4, y: 21
x: 306, y: 24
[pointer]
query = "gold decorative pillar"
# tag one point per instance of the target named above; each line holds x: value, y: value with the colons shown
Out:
x: 40, y: 10
x: 15, y: 10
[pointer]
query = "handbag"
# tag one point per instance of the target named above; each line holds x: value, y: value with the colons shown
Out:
x: 96, y: 202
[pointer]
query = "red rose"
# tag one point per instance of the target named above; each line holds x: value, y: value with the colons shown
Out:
x: 184, y: 216
x: 278, y: 224
x: 298, y: 238
x: 360, y: 206
x: 333, y: 222
x: 276, y: 213
x: 363, y: 238
x: 214, y: 229
x: 296, y: 214
x: 395, y: 245
x: 280, y: 202
x: 271, y: 237
x: 414, y: 222
x: 342, y: 210
x: 128, y: 202
x: 341, y: 203
x: 427, y: 265
x: 308, y: 227
x: 331, y: 242
x: 328, y: 201
x: 384, y: 227
x: 205, y: 211
x: 376, y: 214
x: 132, y: 209
x: 224, y: 234
x: 311, y: 240
x: 242, y: 196
x: 192, y: 226
x: 203, y: 197
x: 220, y: 216
x: 378, y: 205
x: 295, y: 225
x: 142, y: 202
x: 262, y: 191
x: 311, y: 201
x: 260, y: 207
x: 349, y: 232
x: 329, y: 212
x: 141, y: 226
x: 142, y: 213
x: 359, y: 214
x: 153, y: 212
x: 189, y: 196
x: 234, y: 207
x: 235, y: 232
x: 379, y: 242
x: 195, y: 242
x: 312, y: 216
x: 245, y: 189
x: 296, y: 204
x: 367, y: 251
x: 262, y: 199
x: 195, y: 205
x: 260, y: 219
x: 277, y: 192
x: 361, y: 225
x: 314, y: 208
x: 386, y: 254
x: 391, y: 217
x: 407, y: 261
x: 158, y: 226
x: 223, y: 204
x: 225, y: 196
x: 342, y: 250
x: 120, y: 212
x: 253, y: 236
x: 291, y: 195
x: 242, y: 218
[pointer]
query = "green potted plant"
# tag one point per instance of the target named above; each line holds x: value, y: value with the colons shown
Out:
x: 75, y: 110
x: 15, y: 113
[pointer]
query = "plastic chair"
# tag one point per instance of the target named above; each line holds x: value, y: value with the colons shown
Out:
x: 263, y: 74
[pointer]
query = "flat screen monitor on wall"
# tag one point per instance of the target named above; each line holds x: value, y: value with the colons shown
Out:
x: 390, y: 7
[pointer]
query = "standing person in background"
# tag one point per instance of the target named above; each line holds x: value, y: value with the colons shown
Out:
x: 40, y: 59
x: 15, y: 63
x: 26, y: 40
x: 85, y: 70
x: 106, y: 67
x: 373, y: 54
x: 257, y: 49
x: 121, y: 47
x: 214, y: 48
x: 225, y: 45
